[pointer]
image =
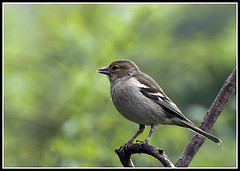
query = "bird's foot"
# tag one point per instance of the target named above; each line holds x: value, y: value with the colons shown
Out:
x: 126, y: 144
x: 142, y: 142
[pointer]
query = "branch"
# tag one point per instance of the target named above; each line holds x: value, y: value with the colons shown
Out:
x: 210, y: 118
x: 124, y: 154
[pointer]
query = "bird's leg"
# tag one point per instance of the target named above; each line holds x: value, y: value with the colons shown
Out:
x: 140, y: 130
x: 153, y: 127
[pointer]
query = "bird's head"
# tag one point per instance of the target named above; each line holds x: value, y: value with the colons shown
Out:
x: 119, y: 69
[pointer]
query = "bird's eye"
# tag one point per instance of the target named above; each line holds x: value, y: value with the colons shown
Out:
x: 115, y: 67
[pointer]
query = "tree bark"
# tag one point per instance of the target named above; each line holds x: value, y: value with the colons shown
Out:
x: 124, y: 154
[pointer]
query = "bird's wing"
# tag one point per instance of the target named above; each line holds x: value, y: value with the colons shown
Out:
x: 154, y: 92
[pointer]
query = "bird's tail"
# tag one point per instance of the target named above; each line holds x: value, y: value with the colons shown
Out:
x: 201, y: 132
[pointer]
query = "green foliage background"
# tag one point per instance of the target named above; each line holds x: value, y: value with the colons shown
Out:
x: 57, y: 109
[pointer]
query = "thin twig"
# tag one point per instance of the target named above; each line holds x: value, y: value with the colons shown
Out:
x: 124, y: 153
x: 210, y: 118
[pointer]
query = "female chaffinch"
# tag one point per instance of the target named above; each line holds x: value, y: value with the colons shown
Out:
x: 141, y: 100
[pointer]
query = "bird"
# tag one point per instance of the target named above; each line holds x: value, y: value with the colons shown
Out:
x: 139, y: 98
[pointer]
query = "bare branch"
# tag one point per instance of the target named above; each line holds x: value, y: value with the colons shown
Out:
x: 124, y: 154
x: 210, y: 118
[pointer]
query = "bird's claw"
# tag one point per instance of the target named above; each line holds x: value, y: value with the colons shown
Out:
x: 142, y: 142
x: 126, y: 144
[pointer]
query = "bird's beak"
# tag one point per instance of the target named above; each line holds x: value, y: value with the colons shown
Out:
x: 103, y: 70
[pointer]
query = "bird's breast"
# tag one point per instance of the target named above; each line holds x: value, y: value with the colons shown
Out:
x: 129, y: 101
